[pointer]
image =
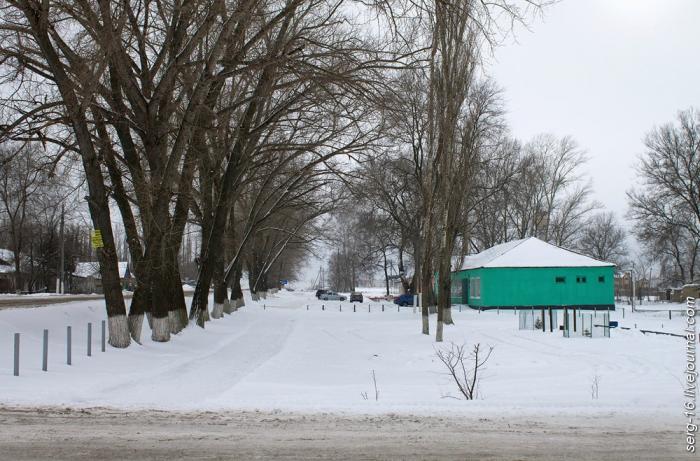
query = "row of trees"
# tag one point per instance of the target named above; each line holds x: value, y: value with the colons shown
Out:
x: 227, y: 114
x: 251, y: 120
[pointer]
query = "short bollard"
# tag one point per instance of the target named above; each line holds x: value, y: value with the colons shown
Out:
x: 623, y: 312
x: 669, y: 315
x: 341, y: 307
x: 264, y: 307
x: 68, y: 346
x: 89, y: 340
x: 369, y: 308
x: 498, y: 311
x: 45, y: 352
x: 104, y: 328
x: 353, y: 308
x: 16, y: 368
x: 460, y: 308
x: 323, y: 307
x: 307, y: 307
x: 398, y: 308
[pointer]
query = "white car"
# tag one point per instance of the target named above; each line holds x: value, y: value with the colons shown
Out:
x: 332, y: 296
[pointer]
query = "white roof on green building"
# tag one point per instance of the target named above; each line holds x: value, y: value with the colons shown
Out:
x: 529, y: 252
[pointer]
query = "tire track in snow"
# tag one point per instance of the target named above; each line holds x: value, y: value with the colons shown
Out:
x: 205, y: 377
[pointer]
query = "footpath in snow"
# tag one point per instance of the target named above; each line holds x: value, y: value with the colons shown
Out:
x: 277, y: 355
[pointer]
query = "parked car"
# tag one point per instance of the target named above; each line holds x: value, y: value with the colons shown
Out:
x: 404, y: 300
x: 319, y: 293
x: 356, y: 297
x: 332, y: 296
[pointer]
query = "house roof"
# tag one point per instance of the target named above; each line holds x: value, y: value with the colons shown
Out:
x: 92, y: 269
x: 7, y: 258
x: 530, y: 252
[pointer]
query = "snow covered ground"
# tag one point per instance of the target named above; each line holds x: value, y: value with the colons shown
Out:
x: 277, y: 355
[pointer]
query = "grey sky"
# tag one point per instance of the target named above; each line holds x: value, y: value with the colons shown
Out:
x: 605, y: 72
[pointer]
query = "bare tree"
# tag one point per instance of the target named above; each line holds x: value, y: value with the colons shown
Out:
x: 603, y: 238
x: 465, y: 368
x: 667, y: 208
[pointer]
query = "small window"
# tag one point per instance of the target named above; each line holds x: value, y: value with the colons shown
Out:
x: 601, y: 279
x: 475, y: 288
x: 580, y: 279
x: 560, y: 279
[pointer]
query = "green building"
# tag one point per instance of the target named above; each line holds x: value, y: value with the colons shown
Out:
x: 532, y: 273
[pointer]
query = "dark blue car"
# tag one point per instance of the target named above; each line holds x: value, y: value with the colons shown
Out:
x: 404, y: 300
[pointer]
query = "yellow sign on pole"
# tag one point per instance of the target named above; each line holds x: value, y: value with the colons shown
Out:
x: 96, y: 238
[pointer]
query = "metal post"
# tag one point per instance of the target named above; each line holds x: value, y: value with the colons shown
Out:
x: 104, y: 328
x: 669, y: 315
x: 353, y: 308
x: 68, y: 346
x: 16, y: 370
x: 45, y: 352
x: 323, y: 307
x: 89, y: 340
x: 382, y: 307
x: 369, y: 308
x: 341, y: 307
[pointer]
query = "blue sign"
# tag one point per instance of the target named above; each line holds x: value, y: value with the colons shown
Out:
x: 284, y: 282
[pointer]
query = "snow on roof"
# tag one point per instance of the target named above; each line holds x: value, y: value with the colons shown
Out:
x: 529, y: 252
x: 5, y: 269
x: 92, y: 269
x: 7, y: 255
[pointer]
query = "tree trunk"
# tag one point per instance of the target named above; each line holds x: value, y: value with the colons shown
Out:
x: 139, y: 301
x: 220, y: 291
x: 236, y: 290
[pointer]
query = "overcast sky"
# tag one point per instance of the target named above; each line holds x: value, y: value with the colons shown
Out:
x: 605, y: 72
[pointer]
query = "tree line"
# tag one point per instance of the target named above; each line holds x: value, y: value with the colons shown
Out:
x: 253, y: 121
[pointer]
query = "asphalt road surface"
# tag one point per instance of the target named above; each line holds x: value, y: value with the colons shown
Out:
x: 74, y: 434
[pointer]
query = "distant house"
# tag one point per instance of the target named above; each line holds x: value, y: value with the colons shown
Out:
x: 86, y: 277
x: 532, y: 273
x: 7, y: 271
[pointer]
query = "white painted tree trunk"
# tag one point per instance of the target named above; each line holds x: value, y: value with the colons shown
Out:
x: 240, y: 302
x: 174, y: 323
x: 160, y: 331
x: 119, y: 331
x: 136, y: 327
x: 228, y: 306
x: 217, y: 311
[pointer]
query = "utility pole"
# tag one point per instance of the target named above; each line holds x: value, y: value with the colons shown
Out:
x: 61, y: 255
x: 633, y: 286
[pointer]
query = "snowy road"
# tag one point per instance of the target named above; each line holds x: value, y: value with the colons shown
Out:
x: 61, y: 434
x: 15, y: 301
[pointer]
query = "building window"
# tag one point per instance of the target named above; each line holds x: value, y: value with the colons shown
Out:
x: 560, y: 279
x: 456, y: 289
x: 601, y: 279
x: 475, y: 287
x: 580, y: 279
